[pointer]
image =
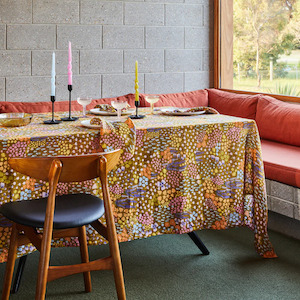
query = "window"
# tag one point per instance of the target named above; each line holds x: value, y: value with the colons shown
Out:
x: 258, y: 46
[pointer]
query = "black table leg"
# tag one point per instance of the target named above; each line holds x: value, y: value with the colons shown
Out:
x: 195, y: 238
x: 19, y: 273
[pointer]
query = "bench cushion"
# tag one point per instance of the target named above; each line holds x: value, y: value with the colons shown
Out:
x: 238, y: 105
x: 46, y: 106
x: 187, y: 99
x: 281, y: 162
x: 278, y: 121
x: 37, y: 107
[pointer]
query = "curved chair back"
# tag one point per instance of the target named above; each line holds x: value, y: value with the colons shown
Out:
x: 74, y: 168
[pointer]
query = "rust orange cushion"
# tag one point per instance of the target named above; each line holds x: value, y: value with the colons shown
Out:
x: 29, y: 107
x: 281, y: 162
x: 41, y: 107
x: 238, y: 105
x: 278, y: 121
x: 186, y: 99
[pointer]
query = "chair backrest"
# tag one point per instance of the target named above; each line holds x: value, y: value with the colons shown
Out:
x: 74, y: 168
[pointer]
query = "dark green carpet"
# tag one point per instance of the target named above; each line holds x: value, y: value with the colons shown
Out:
x: 171, y: 267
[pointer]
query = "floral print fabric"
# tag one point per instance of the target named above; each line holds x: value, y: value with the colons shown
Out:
x: 175, y: 175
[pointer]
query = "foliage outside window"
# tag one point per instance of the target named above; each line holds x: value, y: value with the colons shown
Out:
x: 266, y: 46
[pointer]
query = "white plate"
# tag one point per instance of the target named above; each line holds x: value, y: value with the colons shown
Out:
x: 86, y: 123
x: 180, y: 112
x: 97, y: 111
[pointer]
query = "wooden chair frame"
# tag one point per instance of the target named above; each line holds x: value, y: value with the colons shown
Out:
x: 65, y: 169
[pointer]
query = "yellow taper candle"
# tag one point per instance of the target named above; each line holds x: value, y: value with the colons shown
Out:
x: 136, y: 82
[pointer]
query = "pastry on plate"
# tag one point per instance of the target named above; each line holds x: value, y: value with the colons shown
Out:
x: 96, y: 121
x: 110, y: 108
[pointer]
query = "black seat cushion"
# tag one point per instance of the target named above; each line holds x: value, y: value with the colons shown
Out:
x: 73, y: 210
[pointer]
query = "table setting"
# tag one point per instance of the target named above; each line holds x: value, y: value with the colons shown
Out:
x: 181, y: 169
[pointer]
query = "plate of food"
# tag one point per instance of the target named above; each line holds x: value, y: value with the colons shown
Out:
x: 181, y: 111
x: 109, y: 110
x: 94, y: 123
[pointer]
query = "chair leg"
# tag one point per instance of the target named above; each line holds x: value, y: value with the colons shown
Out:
x: 43, y: 265
x: 19, y: 274
x: 118, y: 272
x: 12, y: 254
x: 112, y: 234
x: 85, y: 258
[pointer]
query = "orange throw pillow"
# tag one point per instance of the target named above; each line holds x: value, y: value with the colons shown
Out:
x: 278, y: 121
x: 238, y: 105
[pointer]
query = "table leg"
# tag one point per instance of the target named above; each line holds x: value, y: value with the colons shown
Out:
x: 195, y: 238
x: 19, y: 273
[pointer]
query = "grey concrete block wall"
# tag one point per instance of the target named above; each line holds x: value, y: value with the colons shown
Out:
x: 150, y: 60
x: 158, y: 83
x: 184, y: 15
x: 195, y: 80
x: 148, y: 14
x: 82, y: 37
x: 53, y: 11
x: 99, y: 62
x: 42, y: 62
x: 86, y: 86
x: 164, y: 37
x: 2, y: 89
x: 183, y: 60
x: 15, y: 63
x: 120, y: 84
x: 15, y: 11
x: 283, y: 199
x: 123, y: 37
x: 171, y: 39
x: 31, y: 37
x: 28, y: 88
x: 2, y: 36
x: 101, y: 12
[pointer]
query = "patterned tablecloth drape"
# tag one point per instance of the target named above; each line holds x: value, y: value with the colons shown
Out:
x: 176, y: 175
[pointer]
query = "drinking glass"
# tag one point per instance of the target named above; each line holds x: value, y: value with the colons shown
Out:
x: 84, y: 101
x: 119, y: 105
x: 152, y: 99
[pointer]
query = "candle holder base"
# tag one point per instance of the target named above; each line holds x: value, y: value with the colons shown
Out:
x: 49, y: 122
x: 70, y: 119
x: 137, y: 116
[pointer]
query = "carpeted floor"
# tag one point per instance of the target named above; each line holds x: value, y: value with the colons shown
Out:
x: 171, y: 267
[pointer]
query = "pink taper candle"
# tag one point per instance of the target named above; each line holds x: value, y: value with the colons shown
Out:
x: 70, y: 65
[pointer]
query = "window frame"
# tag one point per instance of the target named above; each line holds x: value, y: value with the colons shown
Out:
x: 223, y: 48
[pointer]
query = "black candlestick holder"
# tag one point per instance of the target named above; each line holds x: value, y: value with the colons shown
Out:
x: 69, y: 118
x: 53, y: 121
x: 137, y: 116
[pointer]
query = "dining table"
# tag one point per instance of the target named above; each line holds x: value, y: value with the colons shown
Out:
x: 176, y: 174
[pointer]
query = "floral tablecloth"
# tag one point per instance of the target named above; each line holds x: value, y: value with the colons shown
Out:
x: 176, y: 175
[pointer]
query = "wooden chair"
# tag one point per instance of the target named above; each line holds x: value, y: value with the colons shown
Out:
x: 72, y: 213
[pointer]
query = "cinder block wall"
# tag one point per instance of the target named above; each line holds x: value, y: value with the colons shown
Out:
x: 171, y: 39
x: 283, y: 199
